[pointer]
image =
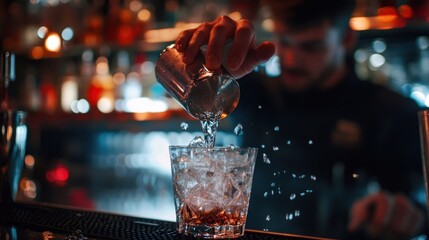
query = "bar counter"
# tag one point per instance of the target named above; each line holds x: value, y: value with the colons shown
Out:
x: 47, y: 221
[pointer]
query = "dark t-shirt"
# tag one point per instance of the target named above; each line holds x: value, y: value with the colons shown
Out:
x: 320, y: 151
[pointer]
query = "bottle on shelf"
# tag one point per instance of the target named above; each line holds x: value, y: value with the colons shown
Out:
x: 7, y: 74
x: 69, y: 87
x: 101, y: 94
x: 48, y: 93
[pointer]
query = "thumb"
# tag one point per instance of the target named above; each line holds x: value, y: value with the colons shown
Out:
x: 259, y: 55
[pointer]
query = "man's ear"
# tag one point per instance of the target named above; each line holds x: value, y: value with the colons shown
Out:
x: 350, y: 39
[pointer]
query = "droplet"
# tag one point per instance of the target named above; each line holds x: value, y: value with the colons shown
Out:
x: 293, y: 175
x: 313, y: 177
x: 266, y: 159
x: 309, y: 191
x: 266, y: 133
x: 310, y: 142
x: 262, y: 146
x: 259, y: 106
x: 272, y: 192
x: 274, y: 174
x: 279, y: 191
x: 292, y: 196
x: 289, y: 142
x: 302, y: 194
x: 290, y: 216
x: 276, y: 128
x: 275, y: 148
x: 184, y: 126
x: 265, y: 230
x: 265, y: 194
x: 238, y: 130
x: 297, y: 213
x: 273, y: 184
x: 302, y: 176
x: 268, y: 218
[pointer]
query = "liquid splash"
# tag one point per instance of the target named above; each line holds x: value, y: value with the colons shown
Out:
x: 266, y: 159
x: 209, y: 130
x: 238, y: 130
x: 184, y: 126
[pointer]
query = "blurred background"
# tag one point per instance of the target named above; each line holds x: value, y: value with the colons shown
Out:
x: 99, y: 123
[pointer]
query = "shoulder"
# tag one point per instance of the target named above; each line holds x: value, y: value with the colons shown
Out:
x: 384, y: 98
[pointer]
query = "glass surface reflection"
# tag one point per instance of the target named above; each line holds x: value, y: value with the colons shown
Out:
x: 13, y: 140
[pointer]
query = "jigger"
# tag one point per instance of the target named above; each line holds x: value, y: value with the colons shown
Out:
x: 12, y: 150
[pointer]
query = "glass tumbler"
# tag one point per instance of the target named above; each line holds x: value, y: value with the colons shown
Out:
x: 212, y: 188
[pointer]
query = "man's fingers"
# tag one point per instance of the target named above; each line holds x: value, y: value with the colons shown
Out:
x: 265, y: 51
x: 223, y: 29
x: 243, y: 41
x: 183, y: 39
x: 383, y: 213
x: 198, y: 39
x: 243, y: 56
x: 260, y: 54
x: 406, y: 218
x: 359, y: 214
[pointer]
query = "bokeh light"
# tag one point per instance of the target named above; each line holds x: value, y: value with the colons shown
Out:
x: 53, y: 42
x: 67, y: 34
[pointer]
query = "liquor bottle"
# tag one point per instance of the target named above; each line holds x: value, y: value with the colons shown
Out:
x: 7, y: 70
x: 48, y: 93
x: 101, y: 90
x: 69, y: 87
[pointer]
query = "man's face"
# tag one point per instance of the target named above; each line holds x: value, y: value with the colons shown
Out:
x: 310, y: 57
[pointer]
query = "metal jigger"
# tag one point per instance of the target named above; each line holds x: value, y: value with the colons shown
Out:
x: 13, y: 133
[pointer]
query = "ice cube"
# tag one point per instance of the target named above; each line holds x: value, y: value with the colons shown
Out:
x: 198, y: 141
x: 238, y: 130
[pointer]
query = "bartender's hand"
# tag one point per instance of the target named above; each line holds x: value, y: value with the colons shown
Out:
x: 244, y: 55
x: 386, y: 216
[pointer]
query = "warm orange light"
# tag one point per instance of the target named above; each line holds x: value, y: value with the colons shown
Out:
x: 360, y: 23
x: 144, y: 15
x: 389, y: 10
x: 268, y: 25
x: 386, y: 18
x: 53, y: 42
x: 405, y: 11
x: 235, y: 15
x: 29, y: 161
x: 37, y: 52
